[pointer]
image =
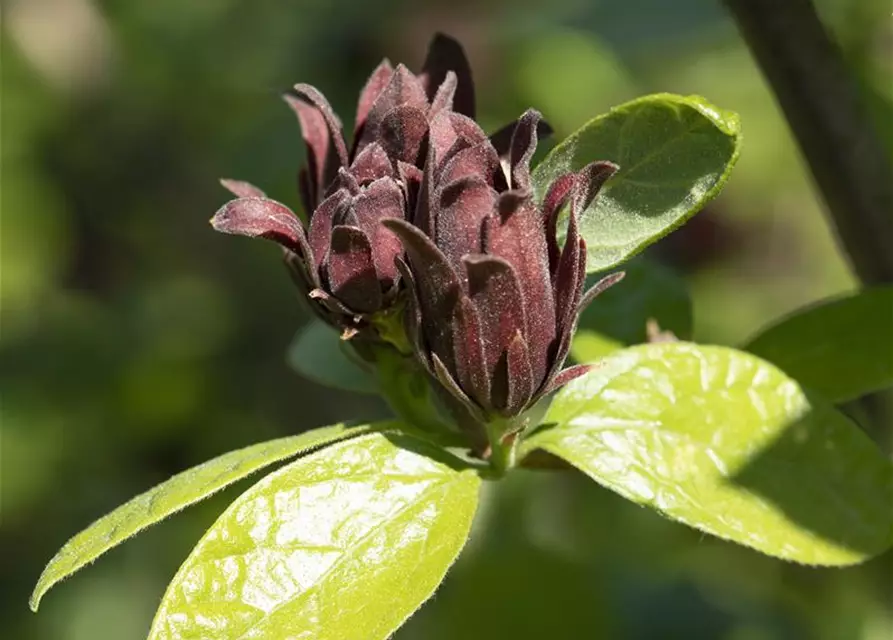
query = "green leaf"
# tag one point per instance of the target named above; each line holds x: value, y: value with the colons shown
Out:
x: 590, y: 346
x: 649, y: 291
x: 727, y: 443
x: 675, y: 153
x: 344, y: 543
x: 841, y: 348
x: 319, y: 354
x: 178, y: 492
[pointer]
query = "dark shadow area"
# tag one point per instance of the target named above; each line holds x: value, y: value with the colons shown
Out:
x: 843, y: 496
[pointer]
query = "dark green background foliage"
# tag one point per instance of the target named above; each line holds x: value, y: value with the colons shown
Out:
x: 136, y: 342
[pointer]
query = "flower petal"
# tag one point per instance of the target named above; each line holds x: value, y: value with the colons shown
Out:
x: 590, y: 180
x: 516, y: 233
x: 402, y: 131
x: 565, y: 376
x: 438, y: 286
x: 261, y: 218
x: 502, y: 138
x: 556, y: 197
x: 477, y: 160
x: 599, y: 287
x: 470, y: 366
x: 242, y: 189
x: 520, y: 380
x: 461, y: 208
x: 351, y: 272
x: 412, y: 319
x: 371, y: 164
x: 446, y: 93
x: 494, y: 288
x: 444, y: 55
x: 380, y: 200
x: 374, y: 86
x: 321, y: 224
x: 522, y: 149
x: 403, y: 88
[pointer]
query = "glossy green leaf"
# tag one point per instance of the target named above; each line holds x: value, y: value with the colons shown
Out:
x: 178, y: 492
x: 344, y: 543
x: 674, y: 152
x: 841, y: 348
x: 727, y: 443
x: 319, y: 354
x: 648, y: 291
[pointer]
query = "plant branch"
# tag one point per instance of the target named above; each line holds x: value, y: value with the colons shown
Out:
x: 821, y: 102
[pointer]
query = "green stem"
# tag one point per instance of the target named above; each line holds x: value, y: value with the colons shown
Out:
x: 503, y: 446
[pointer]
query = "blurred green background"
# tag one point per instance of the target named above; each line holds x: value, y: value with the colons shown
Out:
x: 136, y: 342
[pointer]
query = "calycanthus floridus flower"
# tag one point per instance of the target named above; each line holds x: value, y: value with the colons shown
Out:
x: 494, y: 300
x: 345, y: 260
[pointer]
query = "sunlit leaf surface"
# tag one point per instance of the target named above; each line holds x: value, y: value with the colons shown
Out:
x: 726, y: 442
x: 344, y: 543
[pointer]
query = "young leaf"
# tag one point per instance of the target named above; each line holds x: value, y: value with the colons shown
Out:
x: 319, y: 354
x: 841, y: 348
x: 177, y: 493
x: 675, y: 153
x: 344, y: 543
x: 727, y: 443
x: 648, y: 291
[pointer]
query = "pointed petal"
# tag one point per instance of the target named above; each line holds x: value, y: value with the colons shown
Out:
x: 494, y: 288
x: 371, y: 164
x: 380, y: 200
x: 466, y: 129
x: 412, y: 319
x: 520, y: 376
x: 260, y: 218
x: 351, y: 272
x: 567, y: 278
x: 444, y: 55
x: 470, y: 367
x: 403, y: 88
x: 522, y: 148
x: 443, y: 99
x: 322, y: 135
x: 421, y: 216
x: 567, y: 324
x: 461, y: 208
x: 516, y: 233
x: 478, y: 160
x: 322, y: 222
x: 438, y: 286
x: 556, y: 197
x: 402, y: 131
x: 564, y: 377
x: 241, y: 189
x: 313, y: 96
x: 374, y: 86
x: 600, y: 286
x: 502, y: 138
x: 445, y: 378
x: 589, y: 181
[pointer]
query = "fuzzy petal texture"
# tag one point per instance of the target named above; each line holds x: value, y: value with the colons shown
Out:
x: 350, y: 270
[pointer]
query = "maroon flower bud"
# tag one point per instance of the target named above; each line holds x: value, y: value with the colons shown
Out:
x: 493, y: 299
x: 345, y: 259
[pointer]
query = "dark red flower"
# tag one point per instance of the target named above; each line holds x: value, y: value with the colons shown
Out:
x: 345, y: 259
x: 494, y: 301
